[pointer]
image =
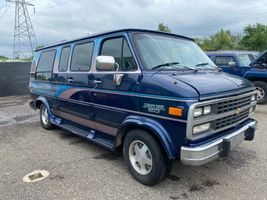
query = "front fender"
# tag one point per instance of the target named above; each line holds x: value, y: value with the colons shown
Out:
x: 155, y: 127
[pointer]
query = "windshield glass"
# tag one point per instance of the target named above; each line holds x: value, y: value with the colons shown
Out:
x: 245, y: 59
x: 160, y: 50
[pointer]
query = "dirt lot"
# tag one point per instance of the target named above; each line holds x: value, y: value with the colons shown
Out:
x: 81, y: 170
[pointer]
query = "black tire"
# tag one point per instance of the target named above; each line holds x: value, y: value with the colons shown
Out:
x: 261, y: 87
x: 45, y: 124
x: 161, y: 165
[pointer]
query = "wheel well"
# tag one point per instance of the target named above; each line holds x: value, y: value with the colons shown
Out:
x: 38, y: 104
x: 128, y: 128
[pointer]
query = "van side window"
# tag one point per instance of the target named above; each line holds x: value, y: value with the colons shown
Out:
x: 224, y: 60
x: 81, y: 57
x: 119, y: 49
x: 45, y: 65
x: 128, y: 62
x: 64, y: 59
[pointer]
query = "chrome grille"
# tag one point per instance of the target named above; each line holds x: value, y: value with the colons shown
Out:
x: 225, y: 113
x: 233, y: 104
x: 229, y: 120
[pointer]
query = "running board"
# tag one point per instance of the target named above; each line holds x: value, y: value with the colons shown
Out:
x: 88, y: 135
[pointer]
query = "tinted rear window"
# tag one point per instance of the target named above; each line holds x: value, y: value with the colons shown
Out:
x: 46, y: 61
x: 64, y: 59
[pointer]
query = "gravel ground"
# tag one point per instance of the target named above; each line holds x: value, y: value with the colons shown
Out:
x: 82, y: 170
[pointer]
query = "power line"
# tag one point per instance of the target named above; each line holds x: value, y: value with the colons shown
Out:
x: 229, y: 22
x: 4, y: 11
x: 62, y: 3
x: 234, y: 11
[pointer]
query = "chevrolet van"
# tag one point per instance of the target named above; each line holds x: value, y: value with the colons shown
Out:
x: 156, y: 95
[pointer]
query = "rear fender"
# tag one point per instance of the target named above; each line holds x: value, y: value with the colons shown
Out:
x: 43, y: 100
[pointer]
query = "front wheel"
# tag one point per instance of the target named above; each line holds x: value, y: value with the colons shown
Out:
x: 261, y: 88
x: 145, y: 158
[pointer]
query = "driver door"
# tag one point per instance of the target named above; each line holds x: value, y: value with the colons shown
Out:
x: 109, y: 97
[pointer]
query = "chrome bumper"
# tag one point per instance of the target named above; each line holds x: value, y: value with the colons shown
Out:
x: 203, y: 154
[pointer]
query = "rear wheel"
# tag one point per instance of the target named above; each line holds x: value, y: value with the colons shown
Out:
x: 144, y: 157
x: 261, y: 88
x: 44, y: 118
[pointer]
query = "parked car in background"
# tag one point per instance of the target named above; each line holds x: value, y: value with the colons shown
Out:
x: 246, y: 64
x: 260, y: 62
x: 157, y: 95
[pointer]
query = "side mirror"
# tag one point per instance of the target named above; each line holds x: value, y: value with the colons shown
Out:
x: 105, y: 63
x: 232, y: 64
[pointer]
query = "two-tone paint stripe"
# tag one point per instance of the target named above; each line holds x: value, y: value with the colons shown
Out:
x: 88, y: 123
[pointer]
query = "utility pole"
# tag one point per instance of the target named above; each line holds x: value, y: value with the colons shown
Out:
x: 24, y: 37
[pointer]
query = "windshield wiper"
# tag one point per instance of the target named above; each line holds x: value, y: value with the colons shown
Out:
x: 201, y: 64
x: 165, y: 65
x: 190, y: 68
x: 170, y: 64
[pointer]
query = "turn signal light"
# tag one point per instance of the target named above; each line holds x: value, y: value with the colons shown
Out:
x: 175, y: 111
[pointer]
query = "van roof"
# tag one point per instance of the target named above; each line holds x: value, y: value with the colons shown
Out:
x: 111, y: 32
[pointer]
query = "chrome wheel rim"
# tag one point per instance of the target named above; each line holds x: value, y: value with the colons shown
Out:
x: 261, y: 93
x: 140, y: 157
x: 44, y: 115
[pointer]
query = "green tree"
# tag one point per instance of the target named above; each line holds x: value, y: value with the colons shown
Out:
x: 254, y: 37
x: 222, y: 40
x: 39, y: 47
x: 27, y: 59
x: 3, y: 58
x: 163, y: 28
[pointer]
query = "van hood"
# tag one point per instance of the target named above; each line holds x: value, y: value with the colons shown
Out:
x: 212, y: 83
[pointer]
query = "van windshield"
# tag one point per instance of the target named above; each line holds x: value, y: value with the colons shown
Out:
x: 167, y: 51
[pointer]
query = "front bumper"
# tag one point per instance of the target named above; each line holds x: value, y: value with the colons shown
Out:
x: 203, y: 154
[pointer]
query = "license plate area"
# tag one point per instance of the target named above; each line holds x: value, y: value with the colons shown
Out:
x: 230, y: 143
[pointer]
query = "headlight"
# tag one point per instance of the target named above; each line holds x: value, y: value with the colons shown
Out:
x: 202, y: 111
x: 198, y: 112
x: 201, y: 128
x: 207, y: 110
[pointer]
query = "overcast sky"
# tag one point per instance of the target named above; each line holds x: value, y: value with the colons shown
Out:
x: 56, y: 20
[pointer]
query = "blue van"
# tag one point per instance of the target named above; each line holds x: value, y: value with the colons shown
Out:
x: 157, y: 95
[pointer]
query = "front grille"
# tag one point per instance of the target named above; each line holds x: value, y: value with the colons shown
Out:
x: 230, y: 105
x: 229, y: 120
x: 233, y: 104
x: 225, y: 113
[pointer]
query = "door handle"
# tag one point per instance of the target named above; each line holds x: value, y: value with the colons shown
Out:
x: 70, y: 80
x: 97, y: 82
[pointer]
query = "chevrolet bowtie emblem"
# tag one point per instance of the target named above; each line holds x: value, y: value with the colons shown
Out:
x: 237, y: 111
